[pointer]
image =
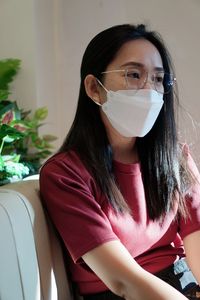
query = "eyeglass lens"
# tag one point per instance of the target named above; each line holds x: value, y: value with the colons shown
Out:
x: 136, y: 78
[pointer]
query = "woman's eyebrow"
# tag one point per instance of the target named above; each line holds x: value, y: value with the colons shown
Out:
x: 139, y: 65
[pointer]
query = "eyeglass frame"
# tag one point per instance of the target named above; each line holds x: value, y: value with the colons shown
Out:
x: 145, y: 81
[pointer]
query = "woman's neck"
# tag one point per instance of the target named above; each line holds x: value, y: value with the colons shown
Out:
x: 124, y: 149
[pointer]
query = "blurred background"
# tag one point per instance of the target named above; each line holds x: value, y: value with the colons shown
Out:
x: 50, y: 36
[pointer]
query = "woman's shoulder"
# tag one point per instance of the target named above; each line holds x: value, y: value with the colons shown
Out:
x: 64, y: 163
x: 62, y: 158
x: 65, y: 171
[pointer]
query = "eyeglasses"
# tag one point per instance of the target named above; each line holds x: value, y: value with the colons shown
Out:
x: 136, y: 78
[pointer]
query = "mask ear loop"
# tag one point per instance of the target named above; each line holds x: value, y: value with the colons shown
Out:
x: 101, y: 84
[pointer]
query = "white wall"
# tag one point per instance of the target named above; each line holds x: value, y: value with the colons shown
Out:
x: 179, y: 23
x: 17, y: 34
x: 51, y: 35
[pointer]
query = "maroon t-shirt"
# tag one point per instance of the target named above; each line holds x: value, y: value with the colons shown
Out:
x: 85, y: 220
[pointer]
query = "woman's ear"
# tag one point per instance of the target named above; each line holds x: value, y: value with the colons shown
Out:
x: 92, y: 88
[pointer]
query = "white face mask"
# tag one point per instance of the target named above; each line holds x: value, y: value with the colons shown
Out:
x: 133, y: 113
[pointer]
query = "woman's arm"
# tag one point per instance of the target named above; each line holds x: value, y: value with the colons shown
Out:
x: 192, y: 247
x: 123, y: 276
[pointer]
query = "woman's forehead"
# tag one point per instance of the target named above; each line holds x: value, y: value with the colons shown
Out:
x: 138, y: 51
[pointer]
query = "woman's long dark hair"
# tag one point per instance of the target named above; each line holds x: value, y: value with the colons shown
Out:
x: 158, y: 150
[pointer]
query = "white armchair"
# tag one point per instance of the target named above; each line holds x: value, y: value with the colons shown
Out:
x: 31, y: 260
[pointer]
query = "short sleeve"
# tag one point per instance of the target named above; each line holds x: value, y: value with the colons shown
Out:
x: 192, y: 198
x: 73, y: 204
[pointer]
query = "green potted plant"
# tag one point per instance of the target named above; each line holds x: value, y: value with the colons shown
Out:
x: 22, y: 148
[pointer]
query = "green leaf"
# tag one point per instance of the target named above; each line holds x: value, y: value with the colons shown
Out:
x: 8, y: 139
x: 24, y: 114
x: 8, y: 69
x: 20, y: 126
x: 41, y: 113
x: 1, y: 163
x: 9, y: 132
x: 44, y: 154
x: 39, y: 143
x: 22, y: 148
x: 49, y: 137
x: 4, y: 95
x: 5, y: 106
x: 16, y: 158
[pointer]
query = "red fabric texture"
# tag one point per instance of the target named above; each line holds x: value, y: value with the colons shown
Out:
x: 85, y: 220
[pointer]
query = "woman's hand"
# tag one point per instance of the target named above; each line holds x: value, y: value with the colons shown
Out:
x: 114, y: 265
x: 192, y: 246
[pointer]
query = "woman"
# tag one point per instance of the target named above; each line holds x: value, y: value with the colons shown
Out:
x: 122, y: 193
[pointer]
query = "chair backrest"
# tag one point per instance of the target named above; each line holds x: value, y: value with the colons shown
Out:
x: 31, y: 260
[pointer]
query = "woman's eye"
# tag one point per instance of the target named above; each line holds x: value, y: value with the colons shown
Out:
x: 159, y: 79
x: 134, y: 74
